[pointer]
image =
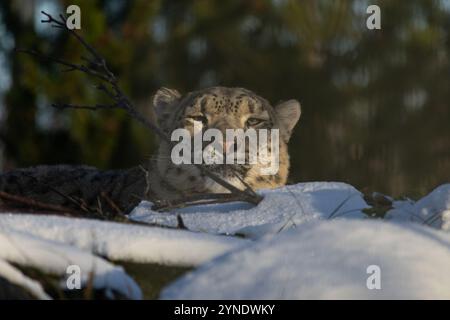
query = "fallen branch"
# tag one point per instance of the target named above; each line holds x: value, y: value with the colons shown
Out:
x: 31, y: 203
x: 97, y: 68
x: 112, y: 204
x: 195, y: 200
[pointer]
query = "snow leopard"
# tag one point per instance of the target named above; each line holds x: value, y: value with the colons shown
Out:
x: 159, y: 178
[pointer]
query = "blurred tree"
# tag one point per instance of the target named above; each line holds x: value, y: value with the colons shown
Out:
x: 375, y: 103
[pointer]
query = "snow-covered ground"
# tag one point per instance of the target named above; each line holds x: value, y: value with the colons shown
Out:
x: 432, y: 210
x: 328, y: 260
x: 310, y: 240
x: 280, y: 208
x: 125, y: 242
x: 16, y: 277
x: 54, y: 258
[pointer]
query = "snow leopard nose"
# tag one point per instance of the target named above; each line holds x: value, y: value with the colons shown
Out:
x: 228, y: 145
x: 223, y: 124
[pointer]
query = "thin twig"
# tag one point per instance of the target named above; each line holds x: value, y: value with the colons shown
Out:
x: 102, y: 72
x: 180, y: 222
x: 96, y: 107
x: 70, y: 66
x: 200, y: 199
x: 341, y: 205
x: 80, y: 203
x: 37, y: 204
x: 111, y: 203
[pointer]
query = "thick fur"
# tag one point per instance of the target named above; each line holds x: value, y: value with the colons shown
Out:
x: 218, y: 107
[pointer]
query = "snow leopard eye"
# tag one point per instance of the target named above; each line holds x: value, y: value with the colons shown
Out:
x: 254, y: 122
x: 199, y: 118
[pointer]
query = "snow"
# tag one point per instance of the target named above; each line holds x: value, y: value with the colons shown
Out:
x: 432, y: 210
x: 16, y: 277
x: 125, y: 242
x: 54, y: 258
x: 279, y: 209
x: 328, y: 260
x: 304, y: 241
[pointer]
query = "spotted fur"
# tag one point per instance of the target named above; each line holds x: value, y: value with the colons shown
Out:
x: 222, y: 108
x: 218, y: 107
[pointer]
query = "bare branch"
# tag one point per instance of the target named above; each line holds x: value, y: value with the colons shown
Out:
x: 37, y: 204
x: 70, y: 66
x: 96, y: 67
x: 62, y: 106
x: 112, y: 204
x: 194, y: 200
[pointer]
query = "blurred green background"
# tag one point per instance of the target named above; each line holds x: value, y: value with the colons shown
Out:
x: 375, y: 103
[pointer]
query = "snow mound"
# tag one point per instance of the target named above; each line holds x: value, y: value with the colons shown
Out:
x: 304, y: 241
x: 432, y: 210
x: 289, y: 205
x: 54, y: 258
x: 125, y: 242
x: 15, y: 276
x: 328, y: 260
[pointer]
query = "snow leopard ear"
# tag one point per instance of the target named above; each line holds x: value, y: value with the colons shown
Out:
x: 288, y: 113
x: 163, y: 98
